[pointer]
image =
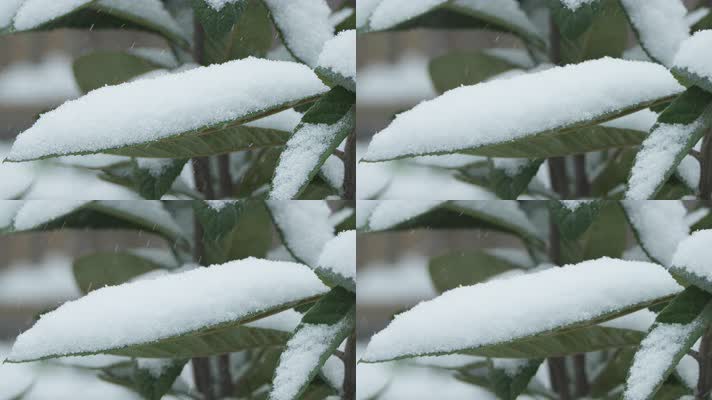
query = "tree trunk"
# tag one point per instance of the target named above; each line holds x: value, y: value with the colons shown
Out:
x: 350, y: 167
x: 705, y: 184
x: 704, y: 381
x: 349, y: 387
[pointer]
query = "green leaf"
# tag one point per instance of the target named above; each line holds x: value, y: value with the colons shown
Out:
x: 237, y: 230
x: 693, y: 108
x: 676, y: 329
x: 154, y: 178
x: 330, y: 321
x: 259, y: 171
x: 508, y: 382
x: 102, y: 68
x: 97, y: 14
x: 464, y: 268
x: 322, y: 129
x: 239, y: 30
x: 696, y: 279
x: 613, y: 373
x: 465, y: 68
x: 336, y: 79
x: 330, y: 270
x: 303, y: 226
x: 452, y: 15
x: 573, y: 217
x: 260, y: 371
x: 152, y: 382
x: 573, y: 23
x: 97, y: 270
x: 219, y: 141
x: 509, y: 183
x: 614, y: 173
x: 605, y: 32
x: 606, y: 236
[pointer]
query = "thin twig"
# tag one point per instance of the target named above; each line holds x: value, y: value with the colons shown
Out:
x: 340, y: 154
x: 349, y: 386
x: 350, y: 167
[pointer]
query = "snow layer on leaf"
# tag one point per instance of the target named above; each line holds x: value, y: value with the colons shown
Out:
x: 300, y: 357
x: 15, y: 178
x: 33, y: 13
x: 38, y: 212
x: 689, y: 171
x: 642, y: 120
x: 694, y: 253
x: 219, y: 4
x: 504, y: 10
x: 339, y: 54
x: 405, y: 82
x: 660, y: 24
x: 16, y: 379
x: 694, y: 55
x: 364, y: 9
x: 559, y: 97
x: 518, y: 57
x: 333, y: 171
x: 371, y: 379
x: 302, y: 154
x: 153, y: 109
x: 390, y: 13
x: 659, y: 225
x: 573, y: 5
x: 304, y: 25
x: 450, y: 361
x: 364, y: 209
x: 8, y: 210
x: 507, y: 211
x: 656, y: 157
x: 150, y: 10
x: 304, y: 226
x: 402, y: 283
x: 41, y: 284
x: 286, y: 120
x: 150, y: 310
x: 390, y: 213
x: 154, y: 166
x: 339, y: 255
x: 93, y: 161
x: 8, y: 9
x: 454, y: 161
x: 657, y: 351
x: 46, y: 83
x: 286, y: 321
x: 146, y: 210
x: 68, y: 183
x: 429, y: 184
x: 640, y: 320
x: 574, y: 294
x: 428, y: 383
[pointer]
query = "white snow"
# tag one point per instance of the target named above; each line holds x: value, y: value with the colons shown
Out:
x: 15, y: 178
x: 15, y: 380
x: 454, y: 161
x: 151, y: 212
x: 154, y: 366
x: 93, y: 161
x: 510, y: 166
x: 640, y: 321
x: 694, y: 253
x: 301, y: 356
x: 403, y: 83
x: 364, y: 9
x: 46, y: 83
x: 8, y: 209
x: 659, y: 225
x: 45, y: 283
x: 693, y: 55
x: 560, y: 97
x: 154, y: 166
x: 150, y: 10
x: 371, y: 379
x: 390, y: 213
x: 689, y: 171
x: 33, y: 13
x: 574, y: 294
x: 285, y: 120
x: 304, y: 25
x: 219, y: 4
x: 518, y: 57
x: 153, y: 109
x: 285, y: 321
x: 402, y: 283
x: 151, y: 310
x: 218, y: 205
x: 301, y: 156
x: 573, y: 205
x: 8, y: 9
x: 72, y: 384
x: 660, y: 24
x: 574, y: 5
x: 510, y: 367
x: 339, y: 54
x: 371, y: 178
x: 642, y: 120
x: 450, y: 361
x: 156, y: 55
x: 39, y: 212
x: 428, y: 383
x: 657, y: 156
x: 97, y: 361
x: 67, y: 183
x: 304, y: 226
x: 514, y: 256
x: 425, y: 183
x: 502, y: 10
x: 695, y: 16
x: 390, y: 13
x: 654, y: 356
x: 364, y: 208
x: 333, y: 171
x: 339, y: 255
x: 504, y: 211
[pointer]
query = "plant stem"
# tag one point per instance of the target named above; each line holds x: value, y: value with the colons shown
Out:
x: 226, y: 386
x: 704, y: 382
x: 705, y: 184
x: 557, y: 365
x: 201, y: 165
x: 201, y: 365
x: 349, y: 387
x: 350, y: 167
x: 581, y: 380
x: 583, y: 187
x: 225, y: 176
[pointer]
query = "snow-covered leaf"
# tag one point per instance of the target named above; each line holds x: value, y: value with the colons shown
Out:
x: 659, y: 227
x: 147, y: 15
x: 304, y: 26
x: 660, y: 26
x: 155, y: 318
x: 605, y: 236
x: 151, y: 378
x: 573, y: 18
x: 96, y: 270
x: 552, y: 104
x: 101, y: 68
x: 199, y: 102
x: 337, y: 262
x: 322, y: 129
x: 604, y: 35
x: 337, y: 61
x: 691, y: 62
x: 578, y: 296
x: 455, y: 69
x: 676, y: 329
x: 148, y: 216
x: 304, y: 227
x: 691, y: 260
x: 465, y: 268
x: 233, y: 230
x: 509, y: 378
x: 678, y: 129
x: 328, y: 323
x: 504, y: 15
x: 508, y: 178
x: 234, y: 30
x: 152, y: 178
